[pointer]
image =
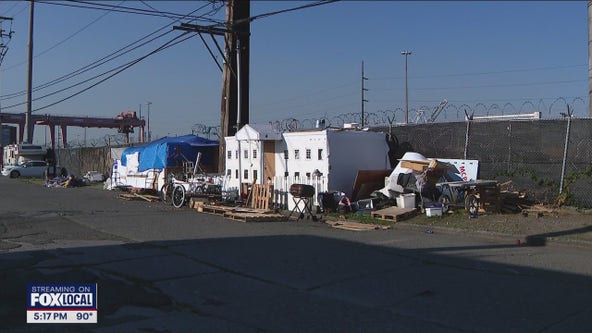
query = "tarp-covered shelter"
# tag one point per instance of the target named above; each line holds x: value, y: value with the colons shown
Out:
x: 172, y: 151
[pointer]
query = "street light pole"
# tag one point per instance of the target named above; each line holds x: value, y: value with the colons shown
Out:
x: 406, y: 53
x: 149, y: 134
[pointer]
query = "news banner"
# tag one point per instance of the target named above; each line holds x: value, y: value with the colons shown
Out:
x: 61, y: 303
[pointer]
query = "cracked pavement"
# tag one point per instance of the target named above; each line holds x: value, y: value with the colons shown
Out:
x: 164, y: 270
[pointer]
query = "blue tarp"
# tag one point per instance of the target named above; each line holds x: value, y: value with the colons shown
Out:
x: 172, y: 151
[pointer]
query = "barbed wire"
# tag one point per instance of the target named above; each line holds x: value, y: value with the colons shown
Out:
x: 421, y: 115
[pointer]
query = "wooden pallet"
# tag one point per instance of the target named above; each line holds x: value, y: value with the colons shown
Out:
x: 239, y: 214
x: 261, y: 195
x: 255, y: 217
x: 210, y: 209
x: 394, y: 214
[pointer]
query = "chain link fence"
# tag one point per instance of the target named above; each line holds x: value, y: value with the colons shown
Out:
x: 542, y: 158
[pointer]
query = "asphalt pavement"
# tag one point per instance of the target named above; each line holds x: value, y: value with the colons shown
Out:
x: 160, y: 269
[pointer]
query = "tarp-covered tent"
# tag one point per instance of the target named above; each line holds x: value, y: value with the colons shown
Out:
x: 172, y: 151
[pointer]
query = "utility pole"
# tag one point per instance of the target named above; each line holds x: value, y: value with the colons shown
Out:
x: 149, y: 134
x: 406, y: 53
x: 590, y: 57
x: 363, y: 92
x: 140, y: 133
x: 28, y: 123
x: 3, y: 50
x: 237, y: 33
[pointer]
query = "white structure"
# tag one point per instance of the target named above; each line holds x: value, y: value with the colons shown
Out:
x: 327, y: 158
x: 18, y: 153
x: 251, y: 155
x: 122, y: 175
x: 337, y: 154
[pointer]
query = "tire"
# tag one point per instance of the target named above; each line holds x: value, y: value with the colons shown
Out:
x: 178, y: 196
x: 15, y: 174
x: 445, y: 201
x: 166, y: 193
x: 472, y: 205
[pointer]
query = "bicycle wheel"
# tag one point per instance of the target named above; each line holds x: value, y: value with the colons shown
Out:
x: 472, y: 205
x: 178, y: 196
x: 166, y: 193
x: 446, y: 202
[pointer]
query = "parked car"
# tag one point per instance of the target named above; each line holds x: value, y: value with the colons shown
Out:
x: 26, y: 169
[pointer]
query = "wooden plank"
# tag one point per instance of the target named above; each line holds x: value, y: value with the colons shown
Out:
x: 196, y: 202
x: 356, y: 226
x: 239, y: 213
x: 255, y: 217
x: 418, y: 166
x: 261, y: 196
x: 215, y: 210
x: 394, y: 214
x: 135, y: 196
x: 268, y: 160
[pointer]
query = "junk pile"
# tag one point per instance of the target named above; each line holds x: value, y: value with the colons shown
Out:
x: 435, y: 186
x: 258, y: 206
x: 69, y: 181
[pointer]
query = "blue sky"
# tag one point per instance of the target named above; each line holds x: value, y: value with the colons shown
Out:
x: 306, y: 64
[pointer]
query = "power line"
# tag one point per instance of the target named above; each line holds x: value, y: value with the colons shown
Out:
x: 122, y: 68
x: 112, y: 56
x: 215, y: 9
x: 11, y: 7
x: 25, y: 6
x: 62, y: 41
x: 319, y: 3
x: 128, y: 10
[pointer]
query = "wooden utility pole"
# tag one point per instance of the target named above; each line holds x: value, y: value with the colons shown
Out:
x: 237, y: 35
x: 3, y: 50
x: 28, y: 124
x: 590, y: 57
x: 235, y: 86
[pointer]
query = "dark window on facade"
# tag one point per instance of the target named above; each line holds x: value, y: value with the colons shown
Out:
x: 320, y: 154
x: 308, y: 154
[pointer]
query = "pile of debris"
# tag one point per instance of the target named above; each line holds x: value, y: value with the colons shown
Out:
x: 69, y: 181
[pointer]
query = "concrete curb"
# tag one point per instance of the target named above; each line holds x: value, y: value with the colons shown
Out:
x: 514, y: 237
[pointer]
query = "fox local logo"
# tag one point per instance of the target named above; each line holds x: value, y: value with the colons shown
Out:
x: 62, y: 295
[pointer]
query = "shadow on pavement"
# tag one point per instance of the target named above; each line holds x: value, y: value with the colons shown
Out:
x: 541, y: 239
x: 296, y: 283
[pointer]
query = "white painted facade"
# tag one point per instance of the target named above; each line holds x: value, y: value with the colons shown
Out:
x: 245, y: 151
x: 334, y: 154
